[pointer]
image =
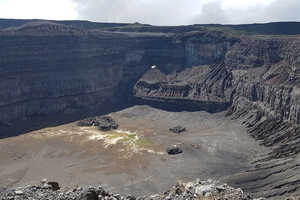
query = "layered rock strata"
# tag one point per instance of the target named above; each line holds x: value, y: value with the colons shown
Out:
x: 48, y: 68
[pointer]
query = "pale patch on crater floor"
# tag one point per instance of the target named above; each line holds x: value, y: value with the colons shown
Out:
x: 128, y: 142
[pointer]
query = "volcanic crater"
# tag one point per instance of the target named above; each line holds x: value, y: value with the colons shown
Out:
x: 234, y: 90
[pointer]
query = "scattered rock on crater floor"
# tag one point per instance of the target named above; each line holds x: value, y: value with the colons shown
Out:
x: 173, y: 150
x: 177, y: 129
x: 104, y: 123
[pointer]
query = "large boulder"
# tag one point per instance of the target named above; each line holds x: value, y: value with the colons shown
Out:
x: 173, y: 150
x: 91, y: 121
x: 89, y: 194
x: 107, y: 123
x: 45, y: 184
x: 104, y: 123
x: 54, y: 185
x: 177, y: 129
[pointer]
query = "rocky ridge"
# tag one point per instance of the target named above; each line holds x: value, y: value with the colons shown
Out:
x: 258, y: 69
x: 192, y: 190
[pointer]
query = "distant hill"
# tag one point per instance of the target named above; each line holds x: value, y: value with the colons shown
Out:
x: 6, y: 23
x: 274, y: 28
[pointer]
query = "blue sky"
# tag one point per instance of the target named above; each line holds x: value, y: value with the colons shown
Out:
x: 157, y: 12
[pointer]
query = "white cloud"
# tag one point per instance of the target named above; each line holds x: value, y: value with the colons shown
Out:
x: 157, y: 12
x: 160, y: 12
x: 176, y: 12
x: 42, y: 9
x: 242, y: 4
x: 254, y: 12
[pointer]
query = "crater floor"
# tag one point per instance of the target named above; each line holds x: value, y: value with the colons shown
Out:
x: 133, y: 158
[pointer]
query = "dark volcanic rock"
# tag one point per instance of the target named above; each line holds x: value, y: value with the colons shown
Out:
x: 173, y: 150
x: 181, y: 191
x: 91, y: 121
x: 90, y: 194
x: 54, y: 185
x: 177, y: 129
x: 104, y: 123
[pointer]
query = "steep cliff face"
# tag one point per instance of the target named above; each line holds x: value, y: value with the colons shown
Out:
x: 49, y: 68
x: 263, y: 70
x: 202, y: 87
x: 203, y: 80
x: 273, y: 86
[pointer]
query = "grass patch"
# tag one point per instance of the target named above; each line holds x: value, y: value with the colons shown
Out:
x: 144, y: 143
x: 125, y: 136
x: 114, y: 136
x: 130, y: 140
x: 132, y: 136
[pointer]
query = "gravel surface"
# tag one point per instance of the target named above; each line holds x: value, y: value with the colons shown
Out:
x: 134, y: 159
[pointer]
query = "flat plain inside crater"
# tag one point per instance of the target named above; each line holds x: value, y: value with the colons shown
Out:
x: 133, y: 158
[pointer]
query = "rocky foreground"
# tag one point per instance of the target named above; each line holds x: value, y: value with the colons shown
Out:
x: 181, y: 191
